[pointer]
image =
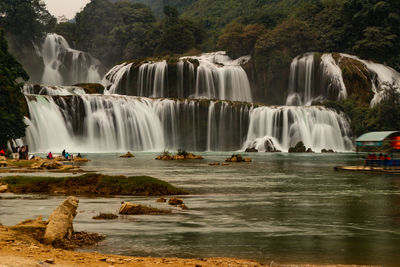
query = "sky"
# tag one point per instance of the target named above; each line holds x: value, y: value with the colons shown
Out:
x: 67, y: 8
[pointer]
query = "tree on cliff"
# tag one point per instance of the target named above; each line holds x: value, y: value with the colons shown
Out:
x: 11, y: 98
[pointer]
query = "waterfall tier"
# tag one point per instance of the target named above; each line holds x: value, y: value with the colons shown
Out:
x: 209, y: 76
x: 315, y: 76
x: 66, y: 66
x: 101, y: 123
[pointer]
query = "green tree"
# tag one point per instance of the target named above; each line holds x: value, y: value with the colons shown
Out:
x: 11, y: 98
x: 238, y: 39
x: 178, y: 35
x: 28, y: 20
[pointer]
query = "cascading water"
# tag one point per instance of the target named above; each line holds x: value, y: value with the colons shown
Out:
x: 310, y: 79
x: 315, y: 76
x: 283, y: 127
x: 64, y: 65
x: 215, y: 76
x: 379, y: 75
x: 98, y: 123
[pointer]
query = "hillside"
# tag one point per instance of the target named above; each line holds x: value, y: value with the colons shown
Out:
x: 158, y: 5
x: 218, y: 13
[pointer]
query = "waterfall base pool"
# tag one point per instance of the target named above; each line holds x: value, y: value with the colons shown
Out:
x: 281, y: 207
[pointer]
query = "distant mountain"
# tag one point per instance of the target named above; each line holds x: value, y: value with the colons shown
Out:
x: 158, y: 5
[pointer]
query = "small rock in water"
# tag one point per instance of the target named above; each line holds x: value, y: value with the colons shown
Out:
x: 127, y: 155
x: 214, y: 164
x: 183, y: 206
x: 175, y: 201
x: 161, y: 200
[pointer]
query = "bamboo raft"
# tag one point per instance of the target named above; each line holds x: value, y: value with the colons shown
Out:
x: 378, y: 169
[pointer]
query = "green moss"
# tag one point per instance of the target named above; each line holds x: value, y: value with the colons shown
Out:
x: 92, y: 183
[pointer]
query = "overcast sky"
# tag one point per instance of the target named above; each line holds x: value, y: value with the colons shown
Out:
x: 67, y: 8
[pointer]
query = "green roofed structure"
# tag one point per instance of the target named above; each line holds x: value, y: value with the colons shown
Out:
x: 377, y: 139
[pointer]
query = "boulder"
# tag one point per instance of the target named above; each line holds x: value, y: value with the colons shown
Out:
x: 238, y: 158
x: 327, y: 151
x: 175, y: 201
x: 299, y: 148
x: 161, y: 200
x: 60, y: 223
x: 3, y: 188
x: 309, y: 150
x: 251, y: 150
x: 127, y: 155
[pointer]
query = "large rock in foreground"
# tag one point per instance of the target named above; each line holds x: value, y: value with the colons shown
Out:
x: 60, y: 224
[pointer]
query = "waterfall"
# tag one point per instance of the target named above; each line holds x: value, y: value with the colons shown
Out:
x: 64, y: 65
x: 152, y: 79
x: 379, y: 75
x: 315, y: 76
x: 215, y: 76
x: 283, y: 127
x: 108, y: 123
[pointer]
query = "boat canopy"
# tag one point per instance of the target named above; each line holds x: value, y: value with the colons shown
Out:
x: 375, y: 138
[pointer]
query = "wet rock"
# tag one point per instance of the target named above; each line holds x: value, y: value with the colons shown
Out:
x: 309, y: 150
x: 214, y: 164
x: 299, y: 148
x: 105, y: 216
x: 251, y: 150
x: 137, y: 209
x: 175, y: 201
x: 238, y: 158
x: 327, y: 151
x: 127, y: 155
x: 60, y: 223
x: 3, y: 188
x: 183, y: 206
x: 180, y: 156
x: 79, y: 159
x: 161, y: 200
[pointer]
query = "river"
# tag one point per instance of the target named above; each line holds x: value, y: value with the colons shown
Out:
x: 291, y: 208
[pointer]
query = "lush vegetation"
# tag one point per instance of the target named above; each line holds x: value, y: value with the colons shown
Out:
x: 12, y: 124
x: 382, y: 116
x: 157, y: 6
x: 96, y: 184
x: 128, y: 31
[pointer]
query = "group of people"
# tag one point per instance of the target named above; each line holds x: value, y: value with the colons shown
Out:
x: 381, y: 159
x: 65, y: 154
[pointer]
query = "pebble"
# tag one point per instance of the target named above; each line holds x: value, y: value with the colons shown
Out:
x: 51, y: 261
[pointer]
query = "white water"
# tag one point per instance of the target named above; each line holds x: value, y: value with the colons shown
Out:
x: 310, y: 80
x: 317, y: 127
x: 97, y: 123
x: 216, y: 77
x: 64, y: 65
x: 152, y: 79
x: 220, y: 77
x: 379, y: 75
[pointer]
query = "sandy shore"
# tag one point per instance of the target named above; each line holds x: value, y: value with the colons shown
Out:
x: 18, y: 249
